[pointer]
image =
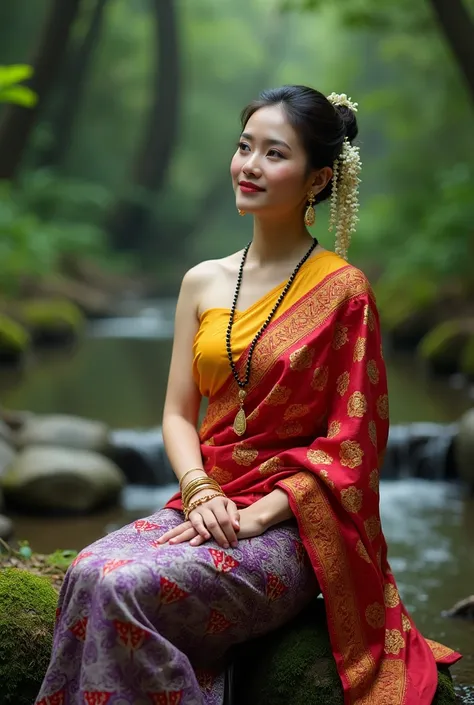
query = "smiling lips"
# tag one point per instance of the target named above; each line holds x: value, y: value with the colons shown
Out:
x: 248, y: 187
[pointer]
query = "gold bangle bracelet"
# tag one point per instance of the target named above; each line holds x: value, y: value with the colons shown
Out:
x: 188, y: 472
x: 197, y: 503
x: 186, y: 498
x: 197, y: 484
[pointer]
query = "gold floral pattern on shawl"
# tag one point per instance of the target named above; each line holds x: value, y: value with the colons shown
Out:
x: 359, y: 349
x: 379, y: 558
x: 390, y: 595
x: 362, y: 551
x: 369, y: 317
x: 390, y: 686
x: 439, y: 651
x: 321, y: 529
x: 340, y: 336
x: 374, y: 481
x: 394, y: 641
x: 296, y: 411
x: 382, y: 406
x: 342, y: 383
x: 302, y: 359
x: 351, y: 499
x: 334, y: 429
x: 357, y: 405
x: 325, y: 475
x: 210, y: 442
x: 375, y: 615
x: 351, y: 454
x: 221, y: 476
x: 320, y: 378
x: 254, y: 414
x: 319, y: 457
x: 406, y: 624
x: 290, y: 429
x: 373, y: 433
x: 271, y: 466
x: 244, y: 454
x: 373, y: 372
x: 304, y: 318
x: 278, y: 395
x: 372, y: 527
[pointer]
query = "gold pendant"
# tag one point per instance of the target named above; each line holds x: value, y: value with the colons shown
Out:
x: 240, y: 422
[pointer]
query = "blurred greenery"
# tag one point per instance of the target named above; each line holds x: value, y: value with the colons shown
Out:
x: 11, y: 91
x: 415, y: 114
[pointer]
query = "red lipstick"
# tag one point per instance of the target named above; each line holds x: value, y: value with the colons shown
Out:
x: 248, y: 187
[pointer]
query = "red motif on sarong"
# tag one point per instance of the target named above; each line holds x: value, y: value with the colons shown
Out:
x: 97, y: 697
x: 205, y: 679
x: 58, y: 698
x: 155, y: 543
x: 275, y: 587
x: 300, y: 552
x: 171, y: 697
x: 223, y: 562
x: 171, y: 592
x: 130, y: 635
x: 217, y: 623
x: 80, y: 557
x: 144, y: 525
x: 113, y: 565
x: 79, y: 628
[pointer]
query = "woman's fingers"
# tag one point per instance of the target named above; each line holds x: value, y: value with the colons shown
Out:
x: 225, y: 522
x: 185, y: 536
x: 175, y: 532
x: 213, y: 526
x: 196, y: 520
x: 234, y: 515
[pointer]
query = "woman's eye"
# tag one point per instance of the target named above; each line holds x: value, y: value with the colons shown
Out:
x: 275, y: 153
x: 242, y: 146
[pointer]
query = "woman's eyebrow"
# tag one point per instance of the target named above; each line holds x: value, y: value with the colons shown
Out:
x: 267, y: 140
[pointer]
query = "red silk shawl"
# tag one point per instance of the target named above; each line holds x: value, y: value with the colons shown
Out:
x: 317, y: 427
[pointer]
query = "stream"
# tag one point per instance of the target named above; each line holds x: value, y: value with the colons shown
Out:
x: 118, y: 375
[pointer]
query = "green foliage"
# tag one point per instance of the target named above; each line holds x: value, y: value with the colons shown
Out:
x: 27, y: 613
x: 10, y: 91
x: 61, y: 559
x: 50, y: 314
x: 14, y: 338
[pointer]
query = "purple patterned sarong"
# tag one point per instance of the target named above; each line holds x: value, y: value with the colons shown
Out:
x: 145, y: 624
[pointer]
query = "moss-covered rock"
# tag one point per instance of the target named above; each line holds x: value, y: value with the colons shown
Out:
x: 443, y: 347
x: 27, y: 614
x: 14, y: 339
x: 407, y: 309
x: 51, y: 320
x: 295, y: 665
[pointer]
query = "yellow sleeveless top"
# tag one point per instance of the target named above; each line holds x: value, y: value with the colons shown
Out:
x: 210, y: 363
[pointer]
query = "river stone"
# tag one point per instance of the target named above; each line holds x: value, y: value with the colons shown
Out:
x: 464, y: 448
x: 5, y: 432
x: 27, y: 614
x: 7, y: 455
x: 61, y: 480
x: 64, y: 431
x: 294, y: 664
x: 6, y: 528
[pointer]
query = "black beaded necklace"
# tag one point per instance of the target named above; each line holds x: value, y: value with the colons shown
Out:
x: 240, y: 421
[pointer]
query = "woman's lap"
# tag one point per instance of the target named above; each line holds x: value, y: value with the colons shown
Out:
x: 137, y: 606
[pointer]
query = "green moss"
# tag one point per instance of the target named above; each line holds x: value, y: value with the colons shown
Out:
x: 13, y: 337
x: 51, y: 314
x: 398, y: 301
x: 295, y: 665
x: 27, y: 614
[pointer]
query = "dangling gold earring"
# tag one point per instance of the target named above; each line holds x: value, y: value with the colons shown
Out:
x: 310, y: 215
x: 241, y: 212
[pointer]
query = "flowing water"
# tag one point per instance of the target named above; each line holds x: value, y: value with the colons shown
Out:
x: 118, y: 375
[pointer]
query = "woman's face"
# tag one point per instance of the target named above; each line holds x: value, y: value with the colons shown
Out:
x: 269, y: 168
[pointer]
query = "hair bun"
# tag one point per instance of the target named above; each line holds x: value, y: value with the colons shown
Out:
x: 347, y: 110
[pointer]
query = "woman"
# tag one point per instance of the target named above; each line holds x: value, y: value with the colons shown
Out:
x: 280, y: 487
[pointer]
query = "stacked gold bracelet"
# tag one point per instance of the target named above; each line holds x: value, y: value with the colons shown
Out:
x: 195, y: 486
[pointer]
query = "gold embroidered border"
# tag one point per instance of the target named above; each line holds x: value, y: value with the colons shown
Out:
x: 295, y: 324
x: 321, y: 529
x: 390, y: 685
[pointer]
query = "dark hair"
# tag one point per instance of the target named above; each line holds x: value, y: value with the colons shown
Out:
x: 320, y: 125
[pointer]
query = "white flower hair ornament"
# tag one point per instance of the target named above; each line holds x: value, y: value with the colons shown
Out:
x: 345, y: 186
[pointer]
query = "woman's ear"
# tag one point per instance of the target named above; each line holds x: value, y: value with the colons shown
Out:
x: 321, y: 179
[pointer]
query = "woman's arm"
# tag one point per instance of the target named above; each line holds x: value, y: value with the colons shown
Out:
x: 267, y: 511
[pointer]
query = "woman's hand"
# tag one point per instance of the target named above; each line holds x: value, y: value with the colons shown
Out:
x: 218, y: 518
x: 251, y: 525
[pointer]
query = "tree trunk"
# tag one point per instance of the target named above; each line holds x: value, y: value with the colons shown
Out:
x: 18, y: 122
x: 458, y: 29
x: 130, y: 218
x: 63, y: 121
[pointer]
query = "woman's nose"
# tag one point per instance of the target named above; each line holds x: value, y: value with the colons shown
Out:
x: 252, y: 166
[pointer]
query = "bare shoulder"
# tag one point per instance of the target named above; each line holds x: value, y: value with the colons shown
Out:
x: 198, y: 277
